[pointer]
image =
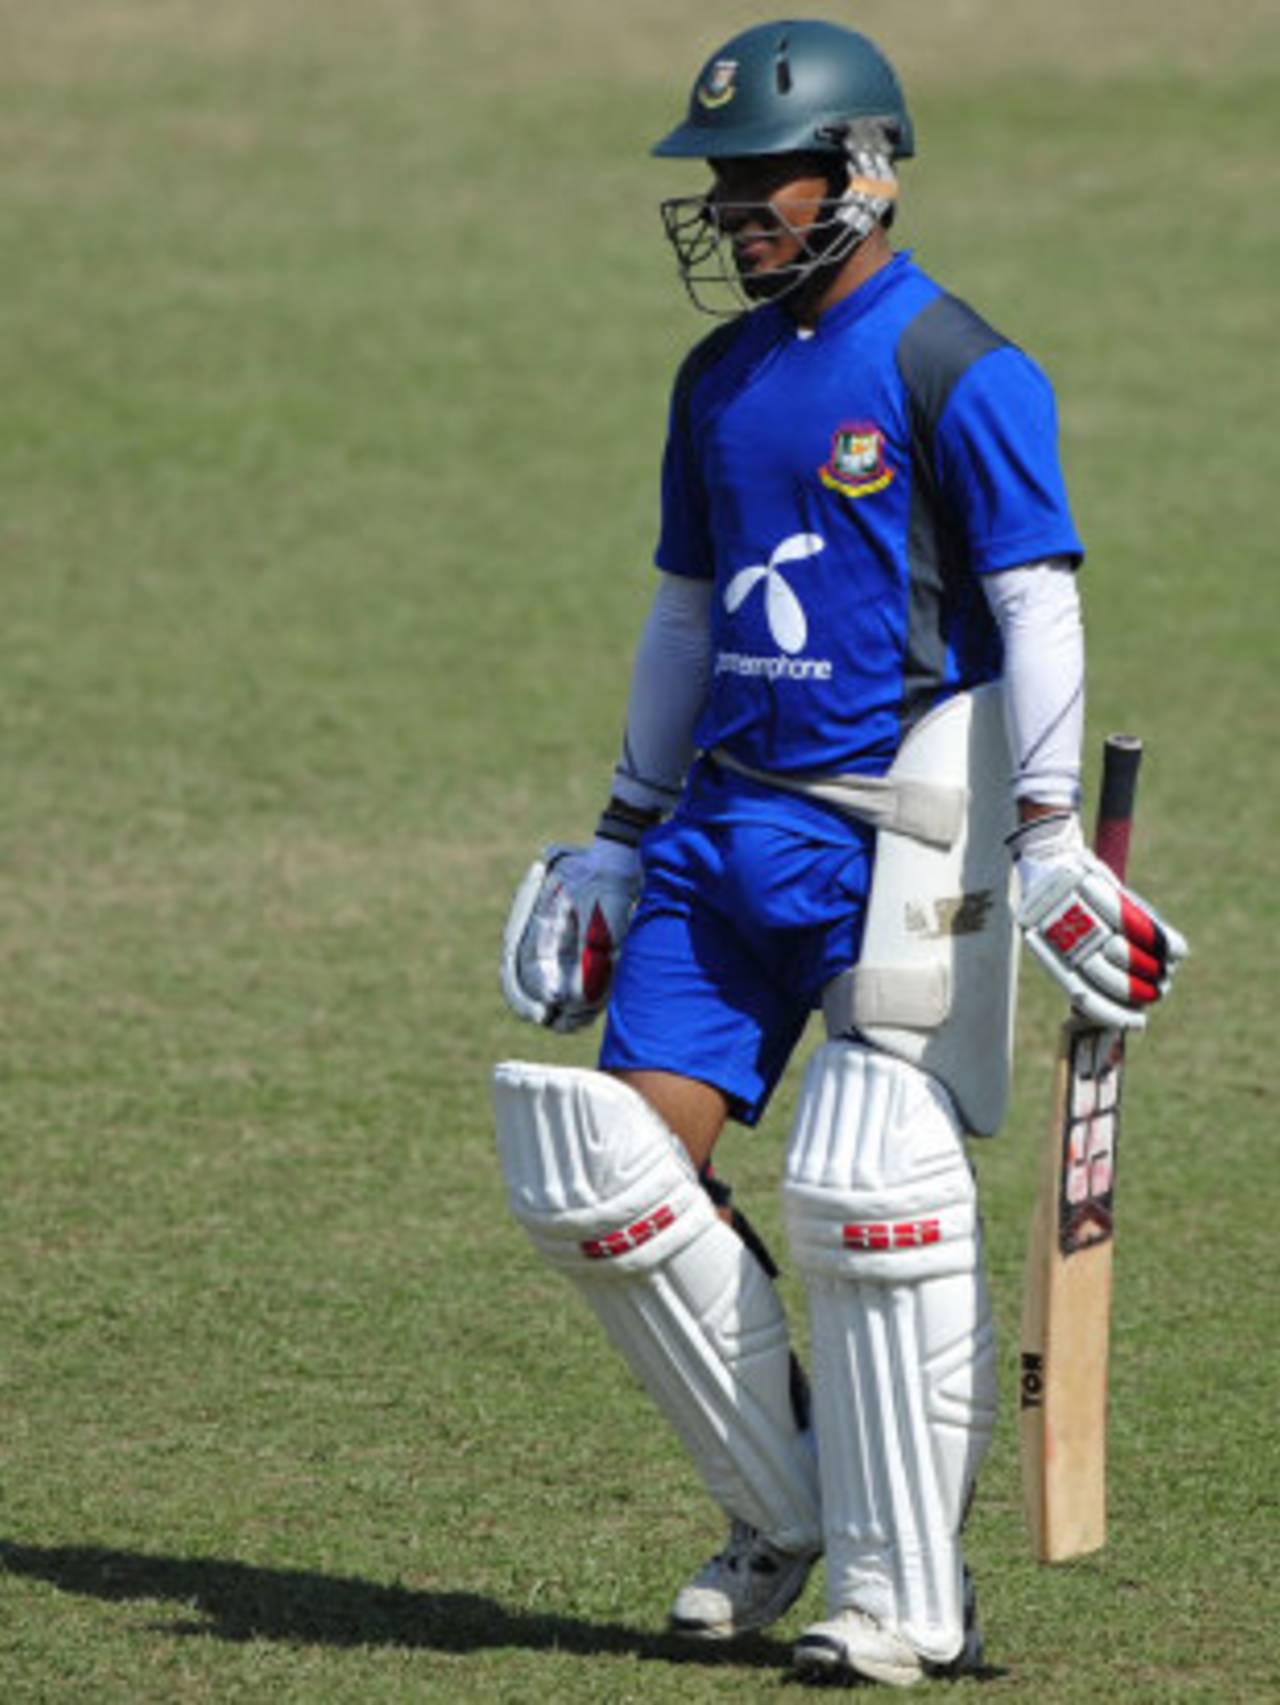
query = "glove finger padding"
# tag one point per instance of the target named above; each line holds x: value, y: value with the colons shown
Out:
x: 525, y: 1001
x: 1110, y: 950
x: 563, y: 937
x: 1130, y: 916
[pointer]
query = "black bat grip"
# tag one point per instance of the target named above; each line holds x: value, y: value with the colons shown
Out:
x: 1121, y: 756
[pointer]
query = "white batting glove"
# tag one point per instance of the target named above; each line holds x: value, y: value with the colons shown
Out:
x: 565, y: 930
x: 1111, y: 951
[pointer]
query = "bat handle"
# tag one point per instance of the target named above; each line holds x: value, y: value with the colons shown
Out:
x: 1121, y: 756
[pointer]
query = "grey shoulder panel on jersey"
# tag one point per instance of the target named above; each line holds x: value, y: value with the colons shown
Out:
x: 937, y: 349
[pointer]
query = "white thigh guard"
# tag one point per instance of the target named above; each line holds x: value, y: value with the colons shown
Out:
x: 936, y: 982
x: 611, y: 1198
x: 882, y: 1217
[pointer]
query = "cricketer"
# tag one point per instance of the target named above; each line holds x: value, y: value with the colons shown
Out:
x: 849, y: 781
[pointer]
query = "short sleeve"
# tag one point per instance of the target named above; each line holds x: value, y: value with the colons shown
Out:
x: 998, y: 464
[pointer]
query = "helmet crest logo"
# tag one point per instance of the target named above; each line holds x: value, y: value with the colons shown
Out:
x: 719, y: 86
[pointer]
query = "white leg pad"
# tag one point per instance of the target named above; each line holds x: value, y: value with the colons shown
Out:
x: 609, y: 1196
x: 882, y: 1216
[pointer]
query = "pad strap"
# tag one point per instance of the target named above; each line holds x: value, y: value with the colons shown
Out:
x: 906, y: 997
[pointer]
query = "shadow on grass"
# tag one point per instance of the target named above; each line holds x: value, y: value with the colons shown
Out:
x: 241, y: 1601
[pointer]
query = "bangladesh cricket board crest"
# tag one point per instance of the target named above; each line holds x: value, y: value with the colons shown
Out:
x: 720, y: 84
x: 856, y: 466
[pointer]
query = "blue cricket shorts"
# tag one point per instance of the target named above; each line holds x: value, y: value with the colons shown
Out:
x: 739, y: 927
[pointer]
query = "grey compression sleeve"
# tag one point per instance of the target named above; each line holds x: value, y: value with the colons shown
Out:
x: 1037, y: 609
x: 668, y: 684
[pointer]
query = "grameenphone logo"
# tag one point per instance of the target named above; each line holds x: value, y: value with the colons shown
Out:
x: 783, y: 610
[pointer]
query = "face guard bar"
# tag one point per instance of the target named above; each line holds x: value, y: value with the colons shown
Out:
x: 699, y: 229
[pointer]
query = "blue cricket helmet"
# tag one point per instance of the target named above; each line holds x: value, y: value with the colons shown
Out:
x: 796, y: 86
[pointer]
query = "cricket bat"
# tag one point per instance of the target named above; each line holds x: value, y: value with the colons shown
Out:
x: 1066, y: 1313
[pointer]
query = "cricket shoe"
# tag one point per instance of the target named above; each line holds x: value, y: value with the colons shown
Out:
x: 746, y: 1586
x: 854, y: 1646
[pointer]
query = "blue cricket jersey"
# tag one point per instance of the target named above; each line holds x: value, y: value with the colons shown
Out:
x: 844, y: 489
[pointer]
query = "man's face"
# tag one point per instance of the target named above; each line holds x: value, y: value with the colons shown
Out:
x: 765, y: 205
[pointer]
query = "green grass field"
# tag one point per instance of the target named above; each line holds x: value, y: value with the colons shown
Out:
x: 334, y: 371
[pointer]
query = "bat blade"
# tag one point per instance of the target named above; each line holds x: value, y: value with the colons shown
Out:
x: 1066, y: 1315
x: 1067, y: 1302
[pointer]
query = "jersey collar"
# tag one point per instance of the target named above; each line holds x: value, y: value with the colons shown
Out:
x: 860, y: 301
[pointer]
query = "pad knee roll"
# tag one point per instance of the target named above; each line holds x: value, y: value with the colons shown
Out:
x: 882, y: 1217
x: 610, y: 1198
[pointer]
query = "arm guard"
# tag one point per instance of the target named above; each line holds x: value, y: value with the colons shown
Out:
x: 1037, y: 609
